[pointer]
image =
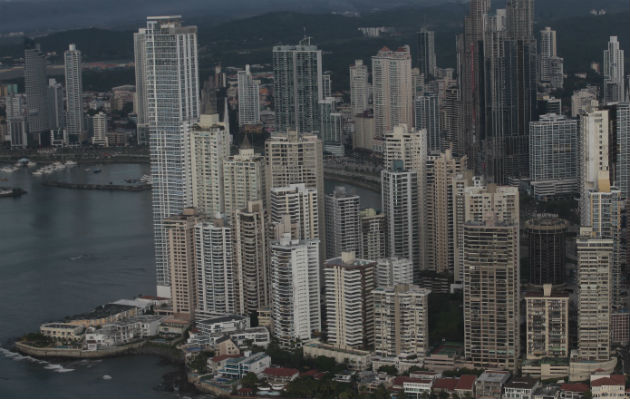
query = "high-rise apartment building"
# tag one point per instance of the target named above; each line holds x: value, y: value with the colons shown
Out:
x: 300, y: 204
x: 426, y: 53
x: 248, y: 98
x: 491, y: 277
x: 440, y: 218
x: 243, y: 179
x: 373, y: 228
x: 407, y: 148
x: 547, y: 324
x: 172, y: 90
x: 331, y: 127
x: 99, y: 128
x: 622, y: 162
x: 399, y: 194
x: 593, y: 156
x: 295, y: 287
x: 216, y: 291
x: 36, y: 88
x: 401, y: 320
x: 553, y: 155
x: 613, y: 72
x: 16, y: 109
x: 393, y: 271
x: 326, y: 85
x: 595, y: 262
x: 348, y: 286
x: 251, y: 258
x: 427, y: 117
x: 180, y: 244
x: 584, y: 101
x: 343, y: 230
x: 359, y: 87
x: 211, y: 143
x: 297, y: 72
x: 551, y: 67
x: 392, y: 89
x: 74, y: 92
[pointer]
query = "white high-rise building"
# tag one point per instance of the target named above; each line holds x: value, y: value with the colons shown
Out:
x: 595, y: 261
x: 210, y: 146
x: 392, y: 89
x: 584, y: 101
x: 251, y: 258
x: 613, y: 72
x: 410, y: 146
x: 326, y: 85
x: 297, y: 72
x: 342, y: 223
x: 243, y: 179
x: 373, y: 226
x: 15, y: 107
x: 359, y: 87
x: 248, y: 98
x: 401, y: 321
x: 141, y: 100
x: 295, y: 288
x: 300, y: 204
x: 393, y: 271
x: 172, y: 90
x: 74, y: 92
x: 551, y: 67
x: 215, y: 283
x: 594, y: 156
x: 399, y: 194
x: 99, y: 127
x: 348, y: 287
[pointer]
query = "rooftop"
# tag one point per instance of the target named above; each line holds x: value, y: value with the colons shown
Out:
x: 103, y: 311
x: 614, y: 380
x: 522, y: 382
x: 574, y: 387
x: 280, y: 372
x: 466, y: 382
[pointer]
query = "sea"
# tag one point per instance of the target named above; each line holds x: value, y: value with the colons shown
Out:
x: 66, y: 251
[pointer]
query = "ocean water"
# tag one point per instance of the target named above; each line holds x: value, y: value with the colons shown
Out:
x: 66, y: 251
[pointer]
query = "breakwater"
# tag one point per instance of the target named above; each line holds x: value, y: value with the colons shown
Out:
x: 93, y: 186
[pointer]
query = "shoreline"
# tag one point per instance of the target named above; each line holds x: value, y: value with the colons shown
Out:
x: 94, y: 186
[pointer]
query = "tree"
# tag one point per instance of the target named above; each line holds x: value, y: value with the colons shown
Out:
x: 250, y: 380
x: 389, y: 369
x: 380, y: 393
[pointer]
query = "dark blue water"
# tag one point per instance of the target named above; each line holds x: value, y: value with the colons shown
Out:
x: 65, y: 251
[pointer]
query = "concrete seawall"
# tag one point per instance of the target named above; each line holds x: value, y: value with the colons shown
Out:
x: 91, y: 186
x: 44, y: 352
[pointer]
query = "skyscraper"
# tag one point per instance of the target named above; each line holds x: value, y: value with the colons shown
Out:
x: 210, y: 146
x: 491, y: 277
x: 300, y: 204
x: 326, y: 85
x: 392, y: 89
x: 74, y: 92
x: 243, y: 179
x: 297, y: 72
x: 622, y: 165
x: 331, y: 127
x: 553, y: 155
x: 251, y: 258
x: 546, y: 235
x: 372, y: 244
x: 215, y: 286
x: 295, y: 287
x: 15, y: 108
x: 248, y: 98
x: 551, y: 67
x: 342, y: 223
x: 399, y: 193
x: 99, y: 128
x: 440, y: 218
x: 56, y: 113
x: 401, y: 320
x: 349, y: 282
x: 140, y: 65
x: 426, y: 53
x: 172, y: 84
x: 547, y: 324
x: 428, y: 118
x: 393, y: 271
x: 593, y: 158
x: 359, y: 87
x: 595, y: 259
x: 613, y: 72
x: 180, y: 245
x: 36, y: 88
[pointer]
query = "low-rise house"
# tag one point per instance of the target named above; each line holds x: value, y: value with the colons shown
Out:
x: 402, y: 362
x: 611, y: 387
x: 102, y: 315
x: 445, y: 385
x: 416, y: 386
x: 122, y: 332
x: 172, y: 326
x: 573, y: 390
x: 217, y: 363
x: 226, y: 346
x: 465, y: 388
x: 279, y: 377
x: 445, y: 357
x: 237, y: 367
x: 257, y: 336
x: 100, y: 339
x: 61, y: 331
x: 521, y: 387
x: 490, y: 384
x: 343, y: 376
x: 222, y: 324
x: 357, y: 360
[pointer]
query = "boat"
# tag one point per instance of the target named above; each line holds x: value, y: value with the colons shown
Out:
x: 97, y: 170
x: 31, y: 164
x: 71, y: 163
x: 38, y: 173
